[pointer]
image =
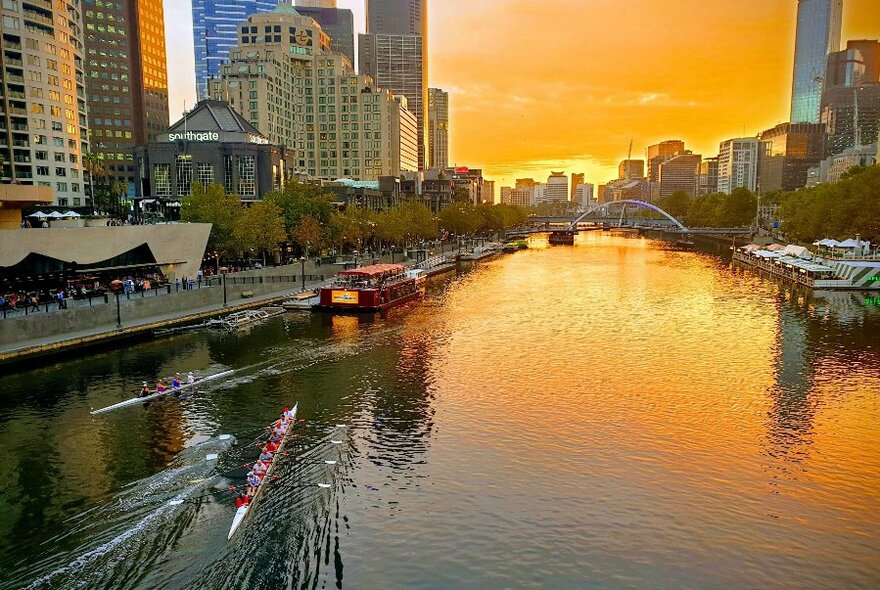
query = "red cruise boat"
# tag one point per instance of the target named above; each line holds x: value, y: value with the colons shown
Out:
x: 370, y: 288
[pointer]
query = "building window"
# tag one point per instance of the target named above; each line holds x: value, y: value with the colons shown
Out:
x: 162, y: 179
x: 247, y: 185
x: 228, y: 173
x: 205, y: 173
x: 184, y: 167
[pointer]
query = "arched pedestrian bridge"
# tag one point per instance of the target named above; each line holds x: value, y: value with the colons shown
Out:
x: 622, y: 214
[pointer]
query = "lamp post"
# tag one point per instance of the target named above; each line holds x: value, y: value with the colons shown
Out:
x: 223, y: 276
x: 302, y: 262
x: 118, y: 314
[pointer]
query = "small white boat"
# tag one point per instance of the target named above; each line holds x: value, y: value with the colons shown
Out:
x: 169, y: 391
x: 241, y: 513
x: 247, y: 317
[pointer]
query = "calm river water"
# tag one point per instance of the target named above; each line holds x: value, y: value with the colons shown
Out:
x: 612, y: 415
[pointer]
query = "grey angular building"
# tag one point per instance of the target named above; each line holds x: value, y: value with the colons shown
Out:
x: 818, y: 34
x: 336, y: 22
x: 394, y: 52
x: 212, y: 144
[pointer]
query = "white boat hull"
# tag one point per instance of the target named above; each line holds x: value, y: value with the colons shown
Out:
x: 140, y: 400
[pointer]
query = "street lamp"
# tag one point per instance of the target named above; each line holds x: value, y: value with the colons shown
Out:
x: 302, y: 262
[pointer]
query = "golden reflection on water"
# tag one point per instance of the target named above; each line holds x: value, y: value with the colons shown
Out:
x: 689, y: 396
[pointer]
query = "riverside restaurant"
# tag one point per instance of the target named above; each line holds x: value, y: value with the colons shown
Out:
x: 798, y: 265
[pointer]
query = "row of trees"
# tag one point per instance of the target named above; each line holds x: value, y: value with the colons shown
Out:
x: 303, y: 214
x: 716, y: 210
x: 839, y: 210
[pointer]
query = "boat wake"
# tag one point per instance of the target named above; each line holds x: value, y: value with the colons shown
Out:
x: 114, y: 544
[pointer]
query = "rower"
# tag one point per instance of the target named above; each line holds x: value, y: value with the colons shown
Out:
x: 279, y: 427
x: 190, y: 378
x: 260, y: 468
x: 253, y: 481
x: 145, y: 391
x: 287, y: 414
x: 160, y: 387
x: 242, y: 500
x: 175, y: 383
x: 266, y: 456
x: 271, y: 447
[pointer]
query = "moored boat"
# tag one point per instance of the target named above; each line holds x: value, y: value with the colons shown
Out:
x: 158, y: 394
x: 370, y: 288
x: 242, y: 512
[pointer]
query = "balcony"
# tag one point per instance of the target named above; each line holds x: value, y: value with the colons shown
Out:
x: 45, y: 4
x: 39, y: 17
x: 13, y: 78
x: 12, y: 45
x: 13, y: 62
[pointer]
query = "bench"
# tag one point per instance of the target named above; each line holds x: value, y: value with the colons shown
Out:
x: 247, y: 294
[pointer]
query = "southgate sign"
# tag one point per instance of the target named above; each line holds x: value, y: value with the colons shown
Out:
x: 215, y: 136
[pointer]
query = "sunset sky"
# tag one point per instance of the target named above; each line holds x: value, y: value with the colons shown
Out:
x: 565, y: 84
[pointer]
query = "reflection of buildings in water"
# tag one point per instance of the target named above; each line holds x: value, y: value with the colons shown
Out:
x: 345, y: 327
x: 168, y: 432
x: 793, y: 409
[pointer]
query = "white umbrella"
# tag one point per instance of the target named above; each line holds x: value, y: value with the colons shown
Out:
x: 55, y: 214
x: 39, y: 214
x: 849, y: 244
x: 72, y: 214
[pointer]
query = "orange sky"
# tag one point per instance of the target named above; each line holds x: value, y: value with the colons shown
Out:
x: 537, y: 85
x: 565, y: 84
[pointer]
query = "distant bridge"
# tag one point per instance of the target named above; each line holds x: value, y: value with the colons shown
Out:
x: 606, y: 216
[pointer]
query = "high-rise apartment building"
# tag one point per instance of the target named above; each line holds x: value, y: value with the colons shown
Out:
x: 787, y: 152
x: 288, y: 83
x: 126, y: 81
x: 487, y: 191
x: 394, y: 52
x: 215, y: 32
x: 577, y: 179
x: 850, y: 110
x: 738, y: 164
x: 818, y: 34
x: 505, y: 195
x: 557, y: 187
x: 679, y: 173
x: 336, y: 22
x: 43, y: 126
x: 631, y: 169
x: 658, y: 153
x: 583, y: 195
x: 709, y: 176
x: 438, y: 128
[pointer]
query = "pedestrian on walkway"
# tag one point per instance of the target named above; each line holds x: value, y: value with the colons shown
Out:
x: 192, y: 284
x: 35, y: 303
x: 176, y: 285
x: 62, y: 304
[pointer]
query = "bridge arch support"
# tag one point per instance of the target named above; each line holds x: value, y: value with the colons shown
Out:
x: 641, y: 204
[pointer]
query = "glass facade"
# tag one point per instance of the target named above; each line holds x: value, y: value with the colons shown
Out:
x: 818, y: 34
x: 215, y: 32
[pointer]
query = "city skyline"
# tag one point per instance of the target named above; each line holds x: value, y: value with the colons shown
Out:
x: 720, y: 94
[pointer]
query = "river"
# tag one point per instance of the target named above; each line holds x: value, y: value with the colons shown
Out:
x: 610, y: 415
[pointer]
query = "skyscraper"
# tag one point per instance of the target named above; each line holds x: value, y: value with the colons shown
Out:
x: 577, y: 179
x: 394, y: 53
x: 850, y: 110
x: 43, y: 118
x: 818, y: 34
x: 630, y: 169
x: 336, y: 22
x: 438, y: 128
x: 215, y: 32
x: 557, y: 187
x: 787, y: 152
x: 680, y: 173
x: 660, y: 152
x: 126, y: 80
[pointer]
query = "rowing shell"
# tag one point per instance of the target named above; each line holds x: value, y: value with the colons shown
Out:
x: 242, y: 512
x: 146, y: 398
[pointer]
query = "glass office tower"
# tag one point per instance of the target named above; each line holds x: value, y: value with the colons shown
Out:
x: 818, y: 34
x: 215, y: 32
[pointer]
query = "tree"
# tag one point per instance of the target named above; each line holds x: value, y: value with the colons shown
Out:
x: 460, y: 218
x: 738, y: 208
x: 677, y: 204
x: 94, y: 165
x: 215, y: 206
x: 260, y: 227
x: 308, y: 234
x: 299, y: 199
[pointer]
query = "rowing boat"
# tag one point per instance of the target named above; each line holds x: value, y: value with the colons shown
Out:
x: 243, y: 511
x: 169, y: 391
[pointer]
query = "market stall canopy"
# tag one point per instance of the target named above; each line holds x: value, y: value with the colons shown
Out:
x: 39, y: 214
x: 828, y: 243
x: 56, y: 215
x: 72, y: 214
x: 799, y: 251
x: 853, y: 244
x: 775, y: 247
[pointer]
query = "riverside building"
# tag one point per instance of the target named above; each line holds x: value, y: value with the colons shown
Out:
x: 738, y: 164
x: 394, y: 53
x: 126, y: 81
x: 286, y: 81
x: 43, y: 127
x: 212, y: 144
